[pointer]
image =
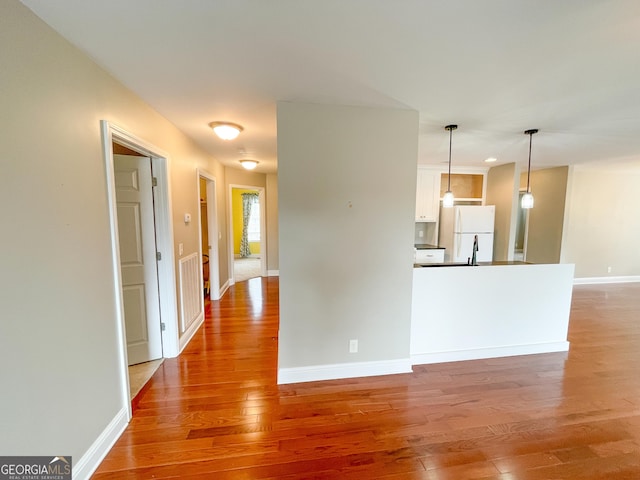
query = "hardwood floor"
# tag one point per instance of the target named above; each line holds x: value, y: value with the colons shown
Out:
x: 216, y: 411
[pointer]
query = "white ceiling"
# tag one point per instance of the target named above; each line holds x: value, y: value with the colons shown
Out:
x: 570, y: 68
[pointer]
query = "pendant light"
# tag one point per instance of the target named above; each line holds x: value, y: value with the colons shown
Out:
x: 447, y: 199
x: 527, y: 198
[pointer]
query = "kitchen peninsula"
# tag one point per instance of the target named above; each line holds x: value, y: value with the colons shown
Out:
x: 491, y: 310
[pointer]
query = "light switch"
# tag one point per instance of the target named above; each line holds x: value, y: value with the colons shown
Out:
x: 187, y: 218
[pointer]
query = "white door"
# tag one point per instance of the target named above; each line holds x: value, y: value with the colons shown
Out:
x: 136, y: 235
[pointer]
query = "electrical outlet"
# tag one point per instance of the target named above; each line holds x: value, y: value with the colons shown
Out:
x: 180, y: 248
x: 608, y: 269
x: 420, y: 233
x: 353, y: 346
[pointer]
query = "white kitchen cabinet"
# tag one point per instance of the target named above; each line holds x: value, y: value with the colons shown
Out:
x: 427, y: 195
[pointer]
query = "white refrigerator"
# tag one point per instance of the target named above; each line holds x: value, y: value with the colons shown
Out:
x: 458, y: 228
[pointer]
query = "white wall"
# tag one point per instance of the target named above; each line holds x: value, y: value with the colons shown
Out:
x: 346, y: 186
x: 501, y: 314
x: 602, y: 228
x: 58, y: 339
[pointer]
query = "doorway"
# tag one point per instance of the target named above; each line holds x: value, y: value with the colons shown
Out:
x: 209, y: 251
x: 247, y: 233
x: 167, y: 320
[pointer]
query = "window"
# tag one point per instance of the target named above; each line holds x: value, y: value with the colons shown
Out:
x: 253, y: 230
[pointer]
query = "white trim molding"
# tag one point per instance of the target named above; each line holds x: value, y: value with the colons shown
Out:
x: 480, y: 353
x: 223, y: 289
x: 92, y: 458
x: 598, y: 280
x: 343, y: 370
x: 273, y: 273
x: 186, y: 337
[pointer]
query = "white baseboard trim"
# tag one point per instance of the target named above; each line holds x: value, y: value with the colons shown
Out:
x: 597, y: 280
x: 186, y: 337
x: 343, y: 370
x: 90, y: 461
x: 273, y: 273
x: 480, y: 353
x: 224, y: 288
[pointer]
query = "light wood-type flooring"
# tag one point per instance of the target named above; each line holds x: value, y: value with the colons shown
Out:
x: 216, y: 411
x: 140, y: 374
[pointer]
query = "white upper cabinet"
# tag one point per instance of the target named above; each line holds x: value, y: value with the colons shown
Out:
x: 427, y: 195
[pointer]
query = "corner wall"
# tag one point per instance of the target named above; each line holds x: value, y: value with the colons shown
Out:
x: 544, y: 232
x: 347, y: 180
x: 502, y: 191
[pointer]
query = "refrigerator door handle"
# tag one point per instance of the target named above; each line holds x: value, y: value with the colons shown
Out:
x: 459, y: 242
x: 459, y: 220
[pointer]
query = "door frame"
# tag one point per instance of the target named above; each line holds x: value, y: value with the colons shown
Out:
x: 263, y: 230
x: 212, y: 224
x: 164, y: 245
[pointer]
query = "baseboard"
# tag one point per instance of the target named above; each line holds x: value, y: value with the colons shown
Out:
x: 343, y: 370
x: 224, y: 288
x: 186, y: 337
x: 597, y: 280
x: 90, y: 461
x: 273, y: 273
x: 480, y: 353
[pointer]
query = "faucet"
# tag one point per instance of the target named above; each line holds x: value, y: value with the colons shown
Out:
x: 474, y: 260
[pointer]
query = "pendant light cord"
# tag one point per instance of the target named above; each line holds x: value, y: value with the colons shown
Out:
x: 451, y: 128
x: 529, y: 168
x: 449, y: 177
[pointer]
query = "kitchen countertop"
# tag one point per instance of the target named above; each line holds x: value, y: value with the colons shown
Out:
x: 426, y: 246
x: 480, y: 264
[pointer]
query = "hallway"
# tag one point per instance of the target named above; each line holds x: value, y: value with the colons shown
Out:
x: 216, y: 411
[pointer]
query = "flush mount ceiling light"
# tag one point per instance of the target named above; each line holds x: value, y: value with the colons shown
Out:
x: 249, y: 164
x: 491, y: 159
x: 527, y: 198
x: 447, y: 199
x: 226, y: 130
